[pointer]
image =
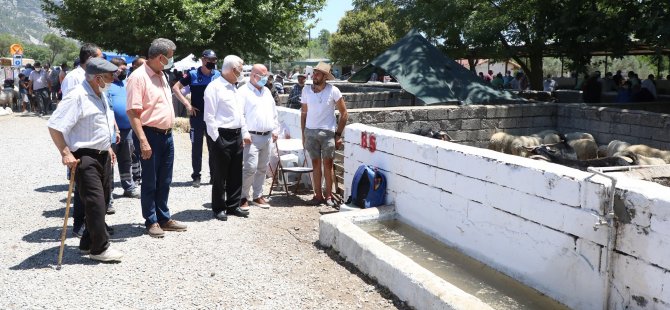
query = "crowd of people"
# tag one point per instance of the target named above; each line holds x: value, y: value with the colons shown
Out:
x: 107, y: 116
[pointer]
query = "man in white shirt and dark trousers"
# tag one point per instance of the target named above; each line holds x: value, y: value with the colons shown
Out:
x: 226, y: 131
x: 321, y: 134
x: 260, y: 114
x: 73, y: 79
x: 81, y: 128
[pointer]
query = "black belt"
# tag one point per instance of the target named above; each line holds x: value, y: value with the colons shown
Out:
x: 158, y: 130
x: 89, y: 152
x: 229, y: 131
x: 260, y: 133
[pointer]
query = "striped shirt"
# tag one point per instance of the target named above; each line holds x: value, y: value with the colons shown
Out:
x: 85, y: 119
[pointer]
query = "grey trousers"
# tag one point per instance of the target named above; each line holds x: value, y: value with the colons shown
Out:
x: 256, y: 157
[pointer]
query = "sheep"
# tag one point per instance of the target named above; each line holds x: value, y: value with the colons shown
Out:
x: 652, y: 161
x: 519, y: 144
x: 428, y: 132
x: 648, y: 151
x: 500, y: 142
x: 616, y: 146
x: 584, y: 148
x: 546, y: 153
x: 602, y: 151
x: 579, y: 135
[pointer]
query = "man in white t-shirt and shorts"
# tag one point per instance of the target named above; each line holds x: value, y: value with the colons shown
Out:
x: 321, y: 133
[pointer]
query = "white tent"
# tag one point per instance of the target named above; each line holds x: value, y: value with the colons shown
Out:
x: 187, y: 63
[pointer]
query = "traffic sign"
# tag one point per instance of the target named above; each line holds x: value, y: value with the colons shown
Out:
x: 15, y: 49
x: 18, y: 60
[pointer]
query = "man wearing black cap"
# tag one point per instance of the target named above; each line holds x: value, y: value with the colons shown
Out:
x: 81, y: 128
x: 197, y: 79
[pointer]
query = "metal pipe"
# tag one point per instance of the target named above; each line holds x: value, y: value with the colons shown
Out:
x: 610, y: 219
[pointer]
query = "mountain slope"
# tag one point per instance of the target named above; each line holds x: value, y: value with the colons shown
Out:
x: 24, y: 19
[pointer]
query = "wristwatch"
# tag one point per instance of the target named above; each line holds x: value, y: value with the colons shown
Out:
x: 338, y: 134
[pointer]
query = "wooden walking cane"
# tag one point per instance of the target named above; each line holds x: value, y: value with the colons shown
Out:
x: 73, y: 171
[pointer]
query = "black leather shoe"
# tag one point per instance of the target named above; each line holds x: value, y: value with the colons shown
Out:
x: 110, y: 230
x: 221, y: 216
x: 238, y: 212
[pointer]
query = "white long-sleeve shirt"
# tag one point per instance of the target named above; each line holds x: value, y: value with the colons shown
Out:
x: 223, y: 108
x: 72, y: 79
x: 260, y: 111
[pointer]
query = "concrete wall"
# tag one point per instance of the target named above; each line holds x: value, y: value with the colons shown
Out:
x: 474, y: 125
x: 371, y: 99
x: 529, y: 219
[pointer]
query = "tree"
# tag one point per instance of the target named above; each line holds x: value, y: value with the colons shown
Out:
x: 59, y: 46
x: 6, y: 40
x: 252, y: 29
x: 527, y: 30
x: 361, y: 35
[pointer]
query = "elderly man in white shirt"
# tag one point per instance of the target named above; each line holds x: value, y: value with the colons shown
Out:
x: 82, y: 128
x: 40, y: 86
x: 260, y: 114
x: 226, y: 132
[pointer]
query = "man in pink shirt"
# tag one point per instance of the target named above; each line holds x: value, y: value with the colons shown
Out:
x: 149, y: 109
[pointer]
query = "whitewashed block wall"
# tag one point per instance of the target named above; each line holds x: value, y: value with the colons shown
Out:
x: 531, y: 220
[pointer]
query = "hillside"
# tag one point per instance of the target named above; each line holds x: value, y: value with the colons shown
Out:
x: 24, y: 19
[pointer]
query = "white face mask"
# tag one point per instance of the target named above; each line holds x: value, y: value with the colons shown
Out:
x: 240, y: 77
x: 169, y: 64
x: 104, y: 88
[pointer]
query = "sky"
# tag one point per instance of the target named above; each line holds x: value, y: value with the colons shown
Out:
x: 331, y: 14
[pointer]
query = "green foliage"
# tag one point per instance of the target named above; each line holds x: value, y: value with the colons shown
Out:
x: 256, y: 30
x: 527, y: 30
x: 361, y: 35
x: 59, y: 47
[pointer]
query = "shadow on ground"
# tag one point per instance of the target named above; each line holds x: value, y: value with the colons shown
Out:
x: 53, y: 188
x: 193, y: 215
x: 49, y: 259
x: 52, y: 234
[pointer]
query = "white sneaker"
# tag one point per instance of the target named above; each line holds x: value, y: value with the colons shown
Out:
x: 108, y: 255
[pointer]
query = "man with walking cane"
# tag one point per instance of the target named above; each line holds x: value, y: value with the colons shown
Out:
x: 81, y: 128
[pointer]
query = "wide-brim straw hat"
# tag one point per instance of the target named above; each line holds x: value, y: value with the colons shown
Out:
x: 325, y: 69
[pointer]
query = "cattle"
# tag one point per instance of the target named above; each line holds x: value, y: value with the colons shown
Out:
x: 546, y: 153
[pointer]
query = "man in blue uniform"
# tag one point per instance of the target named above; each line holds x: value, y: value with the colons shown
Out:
x: 197, y: 80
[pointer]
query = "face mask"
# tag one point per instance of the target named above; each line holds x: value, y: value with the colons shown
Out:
x: 105, y: 88
x: 169, y: 64
x: 210, y: 65
x: 38, y: 69
x: 262, y: 81
x: 121, y: 76
x: 240, y: 78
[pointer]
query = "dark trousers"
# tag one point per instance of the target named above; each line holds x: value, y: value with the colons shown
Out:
x: 198, y: 131
x: 156, y: 177
x: 124, y: 156
x: 93, y: 182
x: 42, y: 97
x: 226, y: 164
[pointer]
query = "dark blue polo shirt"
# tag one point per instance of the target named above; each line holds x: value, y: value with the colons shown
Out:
x: 198, y: 81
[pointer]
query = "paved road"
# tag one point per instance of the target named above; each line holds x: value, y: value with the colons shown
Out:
x: 269, y: 261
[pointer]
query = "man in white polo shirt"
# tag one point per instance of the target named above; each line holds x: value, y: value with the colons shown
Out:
x: 321, y: 133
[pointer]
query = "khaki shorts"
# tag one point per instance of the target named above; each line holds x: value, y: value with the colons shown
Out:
x: 320, y: 143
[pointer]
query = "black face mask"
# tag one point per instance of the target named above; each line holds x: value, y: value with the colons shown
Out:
x: 210, y: 65
x: 121, y: 76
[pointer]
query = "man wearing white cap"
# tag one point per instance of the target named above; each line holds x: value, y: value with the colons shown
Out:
x: 321, y: 133
x: 82, y: 128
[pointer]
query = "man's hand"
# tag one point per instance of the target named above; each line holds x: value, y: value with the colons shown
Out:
x: 145, y: 148
x: 192, y: 111
x: 118, y: 137
x: 274, y: 137
x: 338, y: 143
x: 111, y: 153
x: 69, y: 160
x: 246, y: 140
